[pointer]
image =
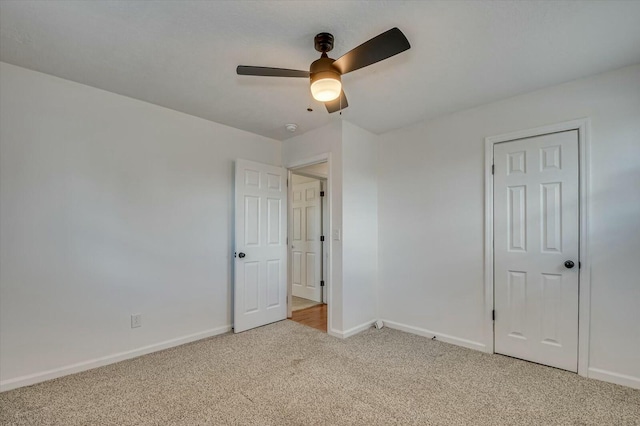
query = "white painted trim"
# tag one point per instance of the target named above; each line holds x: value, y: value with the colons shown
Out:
x: 358, y: 329
x: 310, y: 161
x: 584, y: 317
x: 611, y: 377
x: 583, y: 126
x: 320, y: 158
x: 335, y: 333
x: 31, y: 379
x: 488, y: 247
x: 353, y: 330
x: 289, y: 257
x: 470, y: 344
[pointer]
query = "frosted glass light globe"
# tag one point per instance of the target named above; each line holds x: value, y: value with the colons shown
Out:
x: 326, y: 89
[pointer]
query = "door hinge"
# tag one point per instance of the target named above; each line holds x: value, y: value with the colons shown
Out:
x: 493, y: 168
x: 321, y: 283
x: 579, y: 265
x: 322, y: 193
x: 321, y: 237
x: 493, y: 315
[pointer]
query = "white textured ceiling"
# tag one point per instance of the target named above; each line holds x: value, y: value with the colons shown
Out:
x: 183, y: 54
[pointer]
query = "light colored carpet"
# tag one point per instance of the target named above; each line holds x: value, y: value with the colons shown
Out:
x: 298, y: 303
x: 289, y: 374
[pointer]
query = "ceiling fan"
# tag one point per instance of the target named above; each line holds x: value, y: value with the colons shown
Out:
x: 325, y: 73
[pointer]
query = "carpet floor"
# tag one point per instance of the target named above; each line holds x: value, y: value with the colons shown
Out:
x: 289, y: 374
x: 299, y: 303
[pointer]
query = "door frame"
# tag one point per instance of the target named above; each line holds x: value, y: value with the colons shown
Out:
x: 583, y: 126
x: 328, y: 252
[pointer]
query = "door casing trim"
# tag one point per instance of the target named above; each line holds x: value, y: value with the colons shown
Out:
x: 291, y: 167
x: 583, y: 126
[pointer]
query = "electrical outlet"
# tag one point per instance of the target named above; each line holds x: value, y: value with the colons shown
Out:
x: 136, y: 320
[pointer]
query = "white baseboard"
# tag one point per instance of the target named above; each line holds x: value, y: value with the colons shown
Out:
x: 352, y: 331
x: 31, y: 379
x: 610, y: 376
x: 335, y: 333
x: 439, y: 336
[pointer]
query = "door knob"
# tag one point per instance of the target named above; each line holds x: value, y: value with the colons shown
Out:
x: 241, y: 255
x: 569, y: 264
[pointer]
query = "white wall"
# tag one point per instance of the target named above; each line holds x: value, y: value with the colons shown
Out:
x: 109, y: 206
x: 431, y: 216
x: 360, y: 227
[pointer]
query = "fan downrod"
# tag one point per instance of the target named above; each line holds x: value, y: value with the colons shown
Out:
x: 323, y: 42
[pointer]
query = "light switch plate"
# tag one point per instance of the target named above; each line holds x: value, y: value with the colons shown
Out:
x: 336, y: 234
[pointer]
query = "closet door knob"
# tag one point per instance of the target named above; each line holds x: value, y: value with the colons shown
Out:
x: 569, y: 264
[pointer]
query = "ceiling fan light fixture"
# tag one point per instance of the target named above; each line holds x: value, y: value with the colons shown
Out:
x: 326, y: 88
x: 325, y: 73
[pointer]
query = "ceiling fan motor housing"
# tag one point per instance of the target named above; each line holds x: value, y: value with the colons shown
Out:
x: 323, y: 68
x: 323, y: 42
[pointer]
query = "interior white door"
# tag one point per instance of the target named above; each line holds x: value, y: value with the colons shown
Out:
x: 306, y: 255
x: 536, y: 231
x: 260, y: 290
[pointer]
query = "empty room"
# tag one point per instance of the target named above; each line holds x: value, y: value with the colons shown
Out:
x: 319, y: 212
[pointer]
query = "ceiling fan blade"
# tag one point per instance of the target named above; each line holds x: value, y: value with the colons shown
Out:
x: 337, y: 104
x: 380, y: 47
x: 270, y: 72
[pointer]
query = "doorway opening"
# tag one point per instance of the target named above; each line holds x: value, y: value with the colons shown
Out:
x: 308, y: 252
x: 263, y: 272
